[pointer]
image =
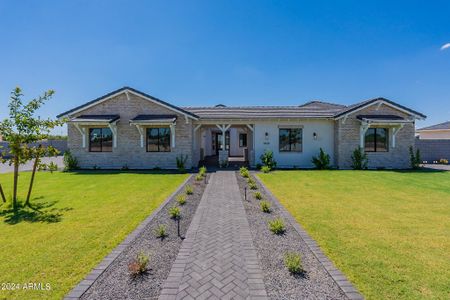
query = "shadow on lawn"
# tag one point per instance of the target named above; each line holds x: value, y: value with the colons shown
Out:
x: 42, y: 212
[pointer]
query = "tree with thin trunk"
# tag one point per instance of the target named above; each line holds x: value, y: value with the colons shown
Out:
x: 24, y: 132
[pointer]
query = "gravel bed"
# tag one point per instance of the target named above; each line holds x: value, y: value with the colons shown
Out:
x: 314, y: 283
x: 116, y: 282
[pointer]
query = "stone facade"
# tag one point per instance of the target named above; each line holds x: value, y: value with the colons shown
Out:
x: 129, y: 152
x: 347, y: 139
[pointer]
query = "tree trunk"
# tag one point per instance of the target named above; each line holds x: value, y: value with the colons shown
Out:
x: 36, y: 162
x: 16, y: 178
x: 2, y: 194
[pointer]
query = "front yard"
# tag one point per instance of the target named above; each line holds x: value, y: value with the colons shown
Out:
x: 389, y: 232
x: 86, y: 214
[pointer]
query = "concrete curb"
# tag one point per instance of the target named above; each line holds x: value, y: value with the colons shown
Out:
x: 341, y: 280
x: 78, y: 291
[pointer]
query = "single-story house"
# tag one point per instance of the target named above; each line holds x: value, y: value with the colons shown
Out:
x: 129, y: 128
x: 435, y: 132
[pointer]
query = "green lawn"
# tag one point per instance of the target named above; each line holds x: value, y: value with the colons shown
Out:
x: 389, y: 232
x: 86, y: 215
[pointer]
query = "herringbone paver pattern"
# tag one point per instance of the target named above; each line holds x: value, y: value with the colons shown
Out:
x: 217, y: 260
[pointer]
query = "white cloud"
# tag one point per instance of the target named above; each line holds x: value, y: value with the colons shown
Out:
x: 446, y: 46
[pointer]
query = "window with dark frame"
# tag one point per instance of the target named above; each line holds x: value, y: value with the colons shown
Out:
x: 242, y: 140
x: 158, y: 139
x: 290, y: 139
x: 100, y: 140
x: 376, y: 140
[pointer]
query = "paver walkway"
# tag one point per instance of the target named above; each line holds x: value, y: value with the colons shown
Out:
x: 217, y: 260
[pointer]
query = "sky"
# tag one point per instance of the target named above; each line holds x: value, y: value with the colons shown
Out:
x: 193, y: 53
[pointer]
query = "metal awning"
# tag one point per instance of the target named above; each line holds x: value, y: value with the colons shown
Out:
x: 95, y: 119
x: 383, y: 119
x: 153, y: 119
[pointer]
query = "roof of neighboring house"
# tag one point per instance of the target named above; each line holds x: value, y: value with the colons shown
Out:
x: 96, y: 118
x: 441, y: 126
x: 124, y: 89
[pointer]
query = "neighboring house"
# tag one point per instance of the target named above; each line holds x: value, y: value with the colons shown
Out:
x: 128, y: 128
x: 436, y: 132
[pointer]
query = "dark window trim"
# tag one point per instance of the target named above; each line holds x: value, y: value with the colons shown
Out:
x: 159, y: 128
x: 242, y: 139
x: 101, y: 139
x: 375, y: 140
x: 290, y: 140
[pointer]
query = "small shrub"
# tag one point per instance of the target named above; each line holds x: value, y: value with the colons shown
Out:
x: 265, y: 206
x: 70, y: 162
x: 52, y: 167
x: 322, y: 162
x: 414, y: 158
x: 189, y: 190
x: 265, y: 169
x: 202, y: 171
x: 161, y: 231
x: 175, y: 212
x: 253, y: 186
x: 250, y: 180
x: 258, y: 166
x: 198, y: 177
x: 359, y: 159
x: 181, y: 162
x: 293, y: 262
x: 277, y: 226
x: 244, y: 172
x: 125, y: 167
x: 181, y: 199
x: 443, y: 161
x: 139, y: 265
x: 268, y: 160
x: 258, y: 195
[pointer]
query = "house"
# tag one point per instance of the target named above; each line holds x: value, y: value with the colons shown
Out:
x: 435, y: 132
x: 128, y: 128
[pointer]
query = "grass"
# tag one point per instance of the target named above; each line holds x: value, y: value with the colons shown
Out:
x: 85, y: 215
x: 389, y: 232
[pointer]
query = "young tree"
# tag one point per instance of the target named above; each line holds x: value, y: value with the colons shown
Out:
x: 24, y: 132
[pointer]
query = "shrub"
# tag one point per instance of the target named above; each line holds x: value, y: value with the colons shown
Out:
x: 52, y: 167
x: 70, y: 162
x: 268, y: 160
x: 189, y: 190
x: 161, y: 231
x: 322, y: 162
x: 181, y: 199
x: 258, y: 195
x: 265, y: 206
x: 293, y: 262
x: 202, y: 171
x: 175, y: 212
x: 244, y: 172
x: 265, y: 169
x: 252, y: 185
x: 359, y: 159
x: 181, y: 162
x: 277, y: 226
x: 443, y: 161
x: 125, y: 167
x: 139, y: 265
x: 198, y: 177
x: 414, y: 158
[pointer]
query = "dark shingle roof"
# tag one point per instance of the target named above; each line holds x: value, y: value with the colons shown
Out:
x: 441, y: 126
x: 121, y: 90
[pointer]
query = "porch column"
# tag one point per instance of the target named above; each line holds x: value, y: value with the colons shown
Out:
x: 362, y: 133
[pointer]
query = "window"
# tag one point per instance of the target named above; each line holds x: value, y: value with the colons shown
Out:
x: 376, y: 140
x: 158, y: 139
x: 100, y: 140
x: 242, y: 140
x: 290, y: 140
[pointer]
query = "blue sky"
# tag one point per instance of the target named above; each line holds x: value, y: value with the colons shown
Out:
x: 230, y: 52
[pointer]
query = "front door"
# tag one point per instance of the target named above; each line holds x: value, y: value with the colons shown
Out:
x: 218, y: 142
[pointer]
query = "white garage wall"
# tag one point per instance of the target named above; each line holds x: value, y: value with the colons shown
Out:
x: 325, y: 140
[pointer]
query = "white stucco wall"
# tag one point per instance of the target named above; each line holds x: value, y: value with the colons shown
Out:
x: 325, y: 139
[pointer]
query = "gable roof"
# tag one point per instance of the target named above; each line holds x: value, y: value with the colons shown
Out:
x: 440, y: 126
x: 132, y: 91
x: 364, y: 104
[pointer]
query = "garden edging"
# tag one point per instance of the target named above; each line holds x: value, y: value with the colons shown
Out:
x: 89, y: 280
x: 341, y: 280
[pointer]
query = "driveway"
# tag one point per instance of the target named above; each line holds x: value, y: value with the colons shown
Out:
x: 5, y: 168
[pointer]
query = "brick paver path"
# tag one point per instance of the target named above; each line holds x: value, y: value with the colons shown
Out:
x: 217, y: 260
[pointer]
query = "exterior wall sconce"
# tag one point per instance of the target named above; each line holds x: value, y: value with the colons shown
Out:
x: 266, y: 135
x: 315, y: 136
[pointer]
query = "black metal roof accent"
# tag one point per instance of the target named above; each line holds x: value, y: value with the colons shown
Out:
x: 356, y: 106
x: 130, y: 89
x: 106, y: 118
x: 380, y: 117
x: 153, y: 117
